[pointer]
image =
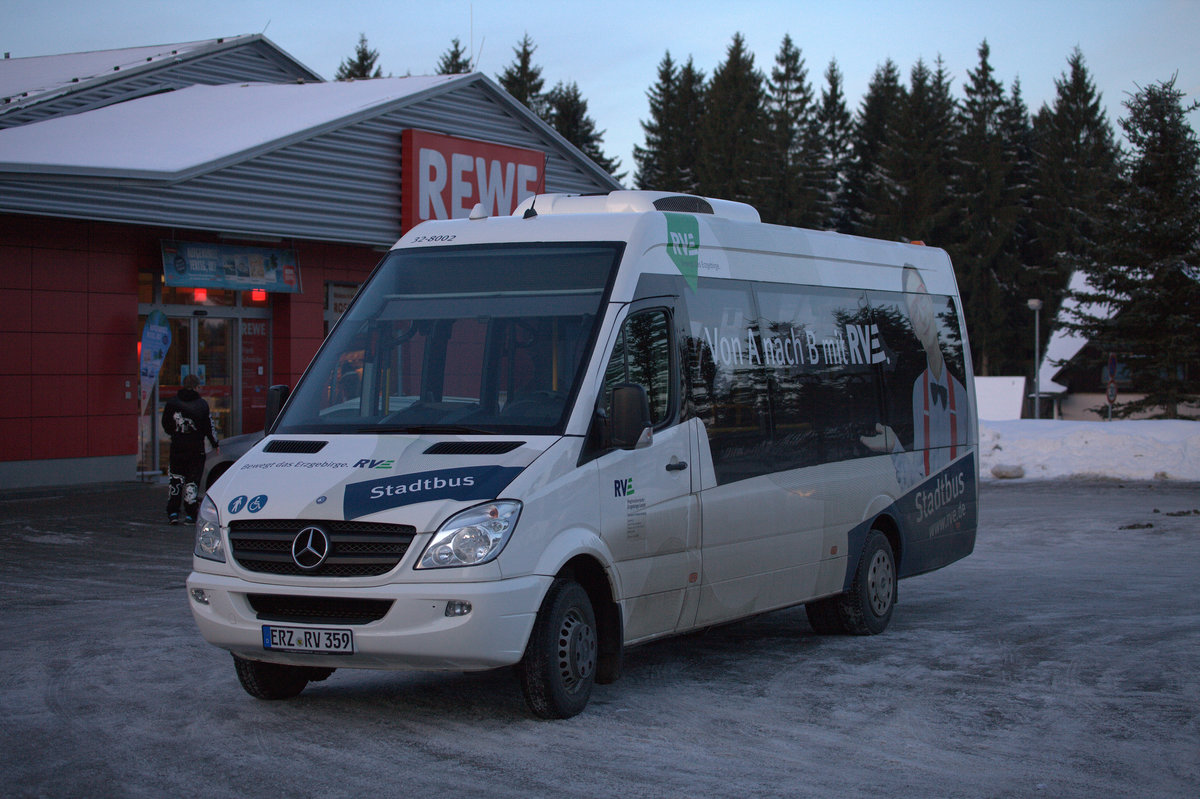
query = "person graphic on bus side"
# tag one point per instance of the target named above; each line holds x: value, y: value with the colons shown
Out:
x: 940, y: 402
x: 187, y: 421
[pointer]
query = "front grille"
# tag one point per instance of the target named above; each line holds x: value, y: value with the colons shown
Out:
x: 318, y: 609
x: 356, y: 549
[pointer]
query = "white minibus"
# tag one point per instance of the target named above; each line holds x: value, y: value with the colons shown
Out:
x: 536, y: 440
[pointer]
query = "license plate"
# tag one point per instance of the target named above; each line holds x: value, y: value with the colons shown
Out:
x: 308, y: 639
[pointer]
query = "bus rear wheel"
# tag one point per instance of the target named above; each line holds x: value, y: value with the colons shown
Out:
x: 866, y: 609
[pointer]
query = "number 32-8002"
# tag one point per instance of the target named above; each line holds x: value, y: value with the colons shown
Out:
x: 434, y: 239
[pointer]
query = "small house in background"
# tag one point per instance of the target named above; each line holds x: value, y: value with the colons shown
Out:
x: 1073, y: 375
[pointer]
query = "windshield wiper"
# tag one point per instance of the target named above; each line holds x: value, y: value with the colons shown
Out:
x: 424, y: 428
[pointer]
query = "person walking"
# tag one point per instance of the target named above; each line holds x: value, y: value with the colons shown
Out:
x: 187, y: 421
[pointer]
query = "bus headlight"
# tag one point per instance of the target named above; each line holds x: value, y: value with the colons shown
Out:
x: 208, y: 532
x: 472, y: 537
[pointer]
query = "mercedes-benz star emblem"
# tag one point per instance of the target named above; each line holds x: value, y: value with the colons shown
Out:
x: 310, y: 547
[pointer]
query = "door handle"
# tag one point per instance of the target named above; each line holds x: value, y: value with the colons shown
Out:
x: 676, y: 466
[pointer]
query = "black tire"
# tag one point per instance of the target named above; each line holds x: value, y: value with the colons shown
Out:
x: 274, y: 680
x: 867, y: 607
x: 825, y: 615
x: 559, y: 667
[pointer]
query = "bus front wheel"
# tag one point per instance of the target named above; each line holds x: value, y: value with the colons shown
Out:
x: 559, y: 667
x: 275, y: 680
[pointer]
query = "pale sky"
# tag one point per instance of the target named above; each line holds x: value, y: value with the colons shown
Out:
x: 612, y: 48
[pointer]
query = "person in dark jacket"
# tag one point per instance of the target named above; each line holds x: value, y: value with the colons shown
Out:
x: 187, y: 421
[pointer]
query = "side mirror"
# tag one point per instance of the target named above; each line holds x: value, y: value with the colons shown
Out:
x: 276, y: 397
x: 630, y: 417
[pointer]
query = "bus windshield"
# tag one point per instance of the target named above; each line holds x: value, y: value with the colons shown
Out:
x: 475, y: 339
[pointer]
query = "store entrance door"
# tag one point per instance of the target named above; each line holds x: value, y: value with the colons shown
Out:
x: 203, y: 346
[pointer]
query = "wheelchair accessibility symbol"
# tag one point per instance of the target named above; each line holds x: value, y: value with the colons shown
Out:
x: 253, y: 505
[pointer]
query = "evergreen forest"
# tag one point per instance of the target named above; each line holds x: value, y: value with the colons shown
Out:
x: 1020, y: 200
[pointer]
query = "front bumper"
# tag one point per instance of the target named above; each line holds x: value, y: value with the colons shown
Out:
x: 415, y: 633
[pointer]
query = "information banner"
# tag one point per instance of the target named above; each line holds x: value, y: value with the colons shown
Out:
x: 156, y: 340
x: 224, y: 266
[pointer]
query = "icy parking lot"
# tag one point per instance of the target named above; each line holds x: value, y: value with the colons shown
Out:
x: 1059, y: 660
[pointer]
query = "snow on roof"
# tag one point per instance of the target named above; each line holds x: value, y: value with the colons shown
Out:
x: 1063, y: 344
x: 174, y: 134
x: 22, y: 78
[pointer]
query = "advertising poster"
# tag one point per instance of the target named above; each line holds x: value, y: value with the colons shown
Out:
x: 156, y: 340
x: 221, y: 266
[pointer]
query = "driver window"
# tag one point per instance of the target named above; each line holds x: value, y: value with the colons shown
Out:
x: 642, y: 355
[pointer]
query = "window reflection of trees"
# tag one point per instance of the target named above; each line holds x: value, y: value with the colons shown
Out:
x: 642, y: 355
x: 768, y: 416
x: 951, y: 339
x: 908, y: 361
x: 649, y: 354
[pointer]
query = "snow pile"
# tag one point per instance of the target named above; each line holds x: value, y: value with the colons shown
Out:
x: 1120, y: 450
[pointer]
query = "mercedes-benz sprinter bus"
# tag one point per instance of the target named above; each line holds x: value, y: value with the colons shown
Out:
x: 536, y: 440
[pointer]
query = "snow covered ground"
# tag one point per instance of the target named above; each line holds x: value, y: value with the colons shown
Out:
x: 1121, y: 450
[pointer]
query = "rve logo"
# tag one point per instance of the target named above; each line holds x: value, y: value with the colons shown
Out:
x: 623, y: 488
x: 683, y: 245
x: 367, y: 463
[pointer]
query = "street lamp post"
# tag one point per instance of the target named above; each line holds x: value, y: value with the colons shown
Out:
x: 1036, y: 307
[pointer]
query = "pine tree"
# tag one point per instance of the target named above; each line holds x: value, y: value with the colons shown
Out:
x: 835, y: 131
x: 523, y: 80
x: 873, y: 125
x: 734, y: 131
x: 1017, y: 357
x: 910, y: 198
x: 454, y: 61
x: 1076, y: 159
x: 668, y: 161
x: 986, y: 251
x: 655, y: 160
x: 687, y: 120
x: 361, y: 65
x: 568, y: 115
x: 1146, y: 284
x: 790, y: 197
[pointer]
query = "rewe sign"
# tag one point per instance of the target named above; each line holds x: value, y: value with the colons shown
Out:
x: 442, y: 177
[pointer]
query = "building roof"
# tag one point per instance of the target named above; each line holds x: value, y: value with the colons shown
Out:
x: 318, y: 161
x: 174, y: 135
x: 41, y: 86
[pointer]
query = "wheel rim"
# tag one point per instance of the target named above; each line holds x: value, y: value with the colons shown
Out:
x: 881, y: 583
x: 576, y: 650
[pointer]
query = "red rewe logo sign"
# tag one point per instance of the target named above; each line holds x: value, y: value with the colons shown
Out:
x: 442, y: 177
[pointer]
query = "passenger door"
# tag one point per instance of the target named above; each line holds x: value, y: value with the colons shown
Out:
x: 649, y: 515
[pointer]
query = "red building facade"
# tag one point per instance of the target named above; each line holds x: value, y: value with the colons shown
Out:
x: 92, y: 202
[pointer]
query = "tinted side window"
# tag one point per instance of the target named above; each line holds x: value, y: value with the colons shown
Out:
x: 787, y: 376
x: 823, y: 355
x: 642, y: 355
x: 728, y: 379
x: 926, y: 400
